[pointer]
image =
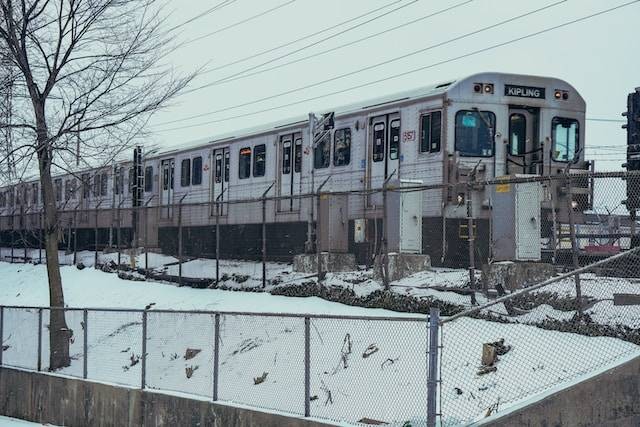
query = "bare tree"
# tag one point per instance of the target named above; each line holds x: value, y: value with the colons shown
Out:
x: 89, y: 68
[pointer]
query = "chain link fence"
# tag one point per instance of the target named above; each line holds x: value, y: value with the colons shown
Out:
x: 564, y: 329
x: 354, y: 370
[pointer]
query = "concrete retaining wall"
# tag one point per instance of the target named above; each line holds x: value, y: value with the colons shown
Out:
x: 70, y: 402
x: 611, y: 398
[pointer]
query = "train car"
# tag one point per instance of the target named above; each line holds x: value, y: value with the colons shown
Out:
x: 489, y: 125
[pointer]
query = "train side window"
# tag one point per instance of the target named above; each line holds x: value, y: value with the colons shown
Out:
x: 58, y: 187
x: 566, y: 139
x: 86, y: 186
x: 119, y: 181
x: 378, y: 142
x: 104, y: 183
x: 297, y: 156
x: 517, y: 134
x: 342, y: 147
x: 96, y: 185
x: 394, y: 143
x: 218, y: 168
x: 185, y: 173
x: 132, y: 180
x: 227, y: 166
x: 148, y: 179
x: 196, y: 171
x: 259, y: 160
x: 34, y: 192
x: 475, y: 132
x: 322, y: 152
x: 286, y: 157
x: 431, y: 132
x: 244, y: 163
x: 72, y: 184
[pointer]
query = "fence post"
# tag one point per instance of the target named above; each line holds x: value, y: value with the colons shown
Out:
x: 75, y: 235
x: 143, y: 366
x: 85, y: 344
x: 307, y: 367
x: 471, y: 239
x: 264, y: 235
x: 575, y: 249
x: 40, y: 236
x: 180, y: 241
x: 216, y: 355
x: 217, y: 242
x: 432, y: 373
x: 39, y: 340
x: 95, y: 238
x: 1, y: 333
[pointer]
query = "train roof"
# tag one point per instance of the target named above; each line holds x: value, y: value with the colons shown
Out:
x: 423, y: 92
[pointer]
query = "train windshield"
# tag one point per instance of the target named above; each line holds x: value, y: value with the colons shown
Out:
x: 566, y: 134
x: 475, y: 133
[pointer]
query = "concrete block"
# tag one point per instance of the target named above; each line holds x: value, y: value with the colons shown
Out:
x: 402, y: 265
x: 515, y: 275
x: 331, y: 262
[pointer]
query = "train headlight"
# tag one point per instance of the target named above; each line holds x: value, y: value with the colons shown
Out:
x: 460, y: 199
x: 574, y: 205
x: 488, y: 88
x: 557, y: 94
x: 477, y: 88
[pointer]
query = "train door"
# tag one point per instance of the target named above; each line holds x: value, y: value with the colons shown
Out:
x: 166, y: 188
x: 290, y: 153
x: 384, y: 148
x: 221, y: 165
x: 524, y: 153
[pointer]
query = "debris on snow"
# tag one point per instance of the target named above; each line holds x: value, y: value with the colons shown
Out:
x: 370, y: 350
x: 190, y: 353
x: 262, y: 378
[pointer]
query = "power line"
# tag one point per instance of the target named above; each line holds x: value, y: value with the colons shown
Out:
x: 415, y: 70
x: 339, y: 33
x: 289, y: 43
x: 242, y: 75
x: 594, y: 119
x: 244, y: 21
x: 209, y: 11
x: 370, y: 67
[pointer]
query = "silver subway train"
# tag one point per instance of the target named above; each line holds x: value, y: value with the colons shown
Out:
x: 491, y: 124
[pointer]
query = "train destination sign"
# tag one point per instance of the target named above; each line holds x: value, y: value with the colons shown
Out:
x: 524, y: 91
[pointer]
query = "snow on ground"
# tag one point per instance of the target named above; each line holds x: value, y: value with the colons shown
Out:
x: 15, y: 422
x: 359, y: 368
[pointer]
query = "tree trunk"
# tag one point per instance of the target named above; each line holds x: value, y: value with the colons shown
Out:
x: 59, y: 333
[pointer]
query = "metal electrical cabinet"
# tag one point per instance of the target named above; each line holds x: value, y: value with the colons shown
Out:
x: 334, y: 223
x: 404, y: 218
x: 515, y: 221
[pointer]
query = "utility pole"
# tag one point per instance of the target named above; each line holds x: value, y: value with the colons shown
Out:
x: 633, y: 161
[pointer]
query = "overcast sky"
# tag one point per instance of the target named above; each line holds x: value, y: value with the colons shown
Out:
x: 598, y: 56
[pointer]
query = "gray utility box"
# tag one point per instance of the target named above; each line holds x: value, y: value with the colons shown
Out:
x: 333, y: 224
x: 515, y: 221
x: 404, y: 218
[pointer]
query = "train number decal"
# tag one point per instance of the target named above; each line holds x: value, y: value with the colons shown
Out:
x: 408, y: 136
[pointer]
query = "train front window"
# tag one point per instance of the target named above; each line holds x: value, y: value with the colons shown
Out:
x: 566, y: 142
x: 517, y: 134
x: 475, y: 133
